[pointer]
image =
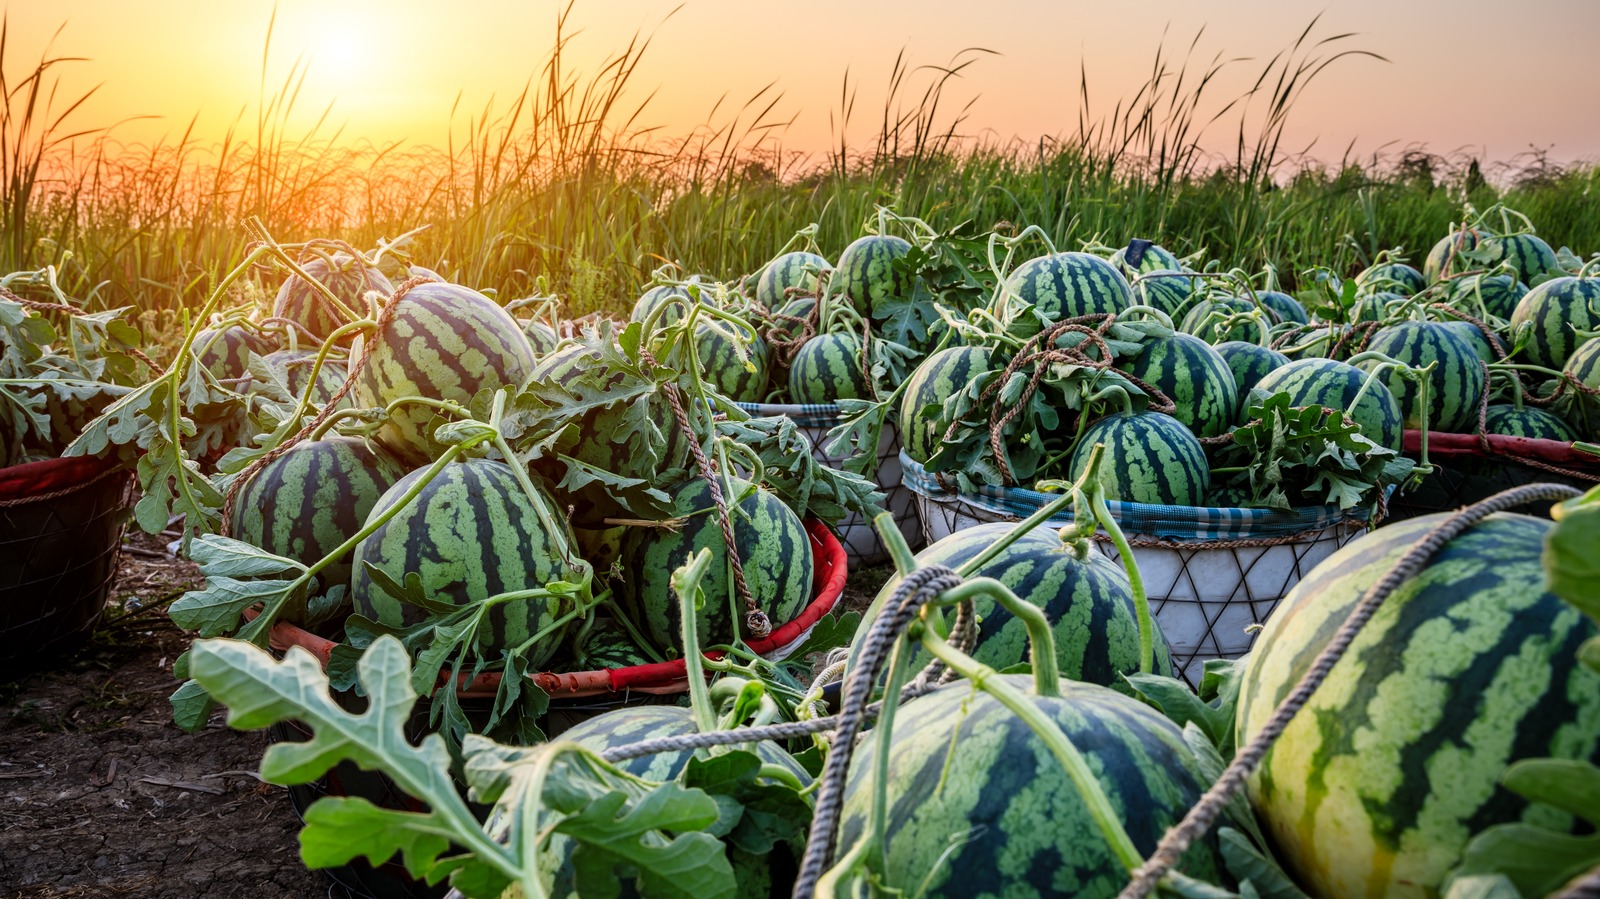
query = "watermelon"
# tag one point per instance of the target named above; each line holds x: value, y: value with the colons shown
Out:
x: 1249, y: 363
x: 1194, y: 376
x: 937, y: 381
x: 1378, y: 783
x: 791, y: 270
x: 541, y: 336
x: 772, y: 545
x: 1205, y: 320
x: 866, y: 273
x: 1455, y: 387
x: 1584, y: 367
x: 722, y: 368
x: 1393, y: 276
x: 672, y: 296
x: 472, y: 533
x: 602, y: 644
x: 1282, y: 307
x: 1475, y: 338
x: 1552, y: 314
x: 308, y: 501
x: 226, y: 352
x: 1325, y: 382
x: 979, y: 807
x: 1526, y: 421
x: 1141, y: 256
x: 295, y: 367
x: 1442, y: 261
x: 1069, y: 285
x: 1149, y: 458
x: 347, y: 279
x: 827, y: 368
x: 1494, y: 296
x: 1088, y: 602
x: 1530, y: 258
x: 1172, y: 295
x: 445, y: 342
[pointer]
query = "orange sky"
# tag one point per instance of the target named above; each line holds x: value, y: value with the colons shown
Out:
x: 1464, y: 73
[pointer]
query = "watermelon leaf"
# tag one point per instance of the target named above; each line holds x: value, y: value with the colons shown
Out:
x: 1569, y: 558
x: 1538, y: 860
x: 1249, y: 865
x: 1482, y: 886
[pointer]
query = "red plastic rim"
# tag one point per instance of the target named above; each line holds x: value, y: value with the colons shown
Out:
x: 50, y: 475
x: 1550, y: 452
x: 831, y: 568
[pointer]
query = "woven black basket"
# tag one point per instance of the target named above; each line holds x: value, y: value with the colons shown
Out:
x: 61, y: 525
x: 1468, y: 470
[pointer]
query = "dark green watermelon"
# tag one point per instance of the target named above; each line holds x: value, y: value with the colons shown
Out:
x: 1069, y: 285
x: 295, y: 368
x: 741, y: 380
x: 1335, y: 385
x: 1149, y: 458
x: 1442, y: 260
x: 1208, y: 318
x: 1194, y: 376
x: 1552, y: 314
x: 1141, y: 256
x: 1526, y: 421
x: 797, y: 271
x: 1249, y: 363
x: 1492, y: 296
x: 936, y: 382
x: 866, y: 273
x: 1584, y: 367
x: 828, y: 368
x: 1474, y: 337
x: 1393, y: 276
x: 226, y: 352
x: 1166, y: 291
x: 1455, y: 387
x: 1530, y: 258
x: 1282, y: 307
x: 347, y: 278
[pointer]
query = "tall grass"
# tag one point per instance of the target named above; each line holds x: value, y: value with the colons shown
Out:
x: 564, y: 182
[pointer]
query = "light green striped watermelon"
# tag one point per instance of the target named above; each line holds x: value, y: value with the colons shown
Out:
x: 1141, y: 256
x: 307, y: 502
x: 1208, y: 319
x: 346, y: 278
x: 295, y: 367
x: 772, y: 545
x: 936, y: 382
x: 1393, y: 276
x: 828, y: 368
x: 1529, y: 257
x: 1454, y: 389
x: 1493, y: 295
x: 1552, y: 314
x: 1249, y: 363
x: 1069, y: 285
x: 1394, y: 764
x: 541, y: 336
x: 791, y: 270
x: 1088, y: 602
x: 1375, y: 306
x: 979, y: 807
x: 472, y: 533
x: 1325, y: 382
x: 1443, y: 259
x: 226, y: 352
x: 866, y: 273
x: 1194, y: 376
x: 737, y: 379
x: 1283, y: 308
x: 1149, y: 458
x: 1172, y: 295
x: 1526, y: 421
x: 673, y: 297
x: 445, y: 342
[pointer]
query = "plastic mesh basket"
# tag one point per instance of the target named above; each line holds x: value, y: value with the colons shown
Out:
x: 1470, y: 468
x: 860, y: 540
x: 61, y: 524
x: 1211, y: 574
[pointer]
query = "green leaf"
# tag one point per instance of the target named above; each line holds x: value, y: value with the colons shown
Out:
x: 220, y: 556
x: 339, y: 829
x: 1570, y: 562
x: 1570, y: 785
x: 191, y: 706
x: 688, y: 865
x: 1248, y: 864
x: 1481, y: 886
x: 217, y: 609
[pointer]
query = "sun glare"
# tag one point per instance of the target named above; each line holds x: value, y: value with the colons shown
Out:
x: 341, y: 48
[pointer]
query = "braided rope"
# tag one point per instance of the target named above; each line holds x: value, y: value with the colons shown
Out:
x: 1201, y: 817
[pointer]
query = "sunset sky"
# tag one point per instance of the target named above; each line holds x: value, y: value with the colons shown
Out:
x: 1488, y: 77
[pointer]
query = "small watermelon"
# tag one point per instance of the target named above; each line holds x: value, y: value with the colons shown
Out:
x: 1282, y: 307
x: 1149, y: 458
x: 1375, y: 306
x: 295, y: 368
x: 601, y: 645
x: 1069, y: 285
x: 1455, y: 387
x: 866, y: 273
x: 1526, y: 421
x: 226, y: 352
x: 1378, y: 783
x: 797, y: 271
x: 741, y: 380
x: 472, y: 533
x: 1493, y: 296
x: 1442, y: 260
x: 1325, y: 382
x: 1141, y: 256
x: 541, y: 336
x: 1552, y: 314
x: 675, y: 299
x: 347, y: 279
x: 1194, y: 376
x: 936, y: 382
x: 1393, y: 276
x: 828, y: 368
x: 1530, y: 258
x: 1172, y: 295
x: 772, y: 545
x: 1208, y: 318
x: 1249, y: 363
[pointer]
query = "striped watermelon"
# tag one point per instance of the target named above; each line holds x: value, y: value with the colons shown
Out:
x: 1442, y: 261
x: 541, y: 336
x: 1482, y: 296
x: 1249, y: 363
x: 797, y: 308
x: 1552, y: 314
x: 1068, y: 285
x: 1282, y: 307
x: 979, y: 807
x: 1172, y: 295
x: 1526, y: 421
x: 1584, y: 366
x: 724, y: 371
x: 1374, y: 307
x: 827, y: 368
x: 226, y: 352
x: 772, y: 544
x: 1141, y: 256
x: 295, y: 367
x: 346, y: 279
x: 935, y: 383
x: 1088, y: 602
x: 1474, y: 337
x: 472, y: 533
x: 674, y: 297
x: 307, y: 502
x: 1455, y: 387
x: 1194, y: 376
x: 445, y: 342
x: 1530, y: 258
x: 1205, y: 320
x: 602, y: 644
x: 1149, y: 458
x: 791, y: 270
x: 1393, y: 276
x: 866, y: 274
x: 1325, y: 382
x: 1379, y: 782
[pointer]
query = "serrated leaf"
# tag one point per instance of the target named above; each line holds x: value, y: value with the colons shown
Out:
x: 339, y: 829
x: 1248, y: 864
x: 217, y: 608
x: 220, y: 556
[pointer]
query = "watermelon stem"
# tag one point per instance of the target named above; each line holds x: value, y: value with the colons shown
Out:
x: 1041, y: 640
x: 1141, y: 599
x: 686, y: 583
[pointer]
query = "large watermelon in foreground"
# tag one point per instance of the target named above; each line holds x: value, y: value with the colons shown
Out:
x: 979, y: 807
x: 472, y: 533
x: 445, y: 342
x: 1088, y: 602
x: 773, y: 547
x: 1379, y: 782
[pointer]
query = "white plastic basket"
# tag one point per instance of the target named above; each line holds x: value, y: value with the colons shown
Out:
x: 1212, y: 575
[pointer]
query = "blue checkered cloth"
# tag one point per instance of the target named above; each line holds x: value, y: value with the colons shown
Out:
x: 806, y: 415
x: 1142, y: 519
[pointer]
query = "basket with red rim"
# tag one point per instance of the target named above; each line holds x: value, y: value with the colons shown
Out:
x: 1471, y: 467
